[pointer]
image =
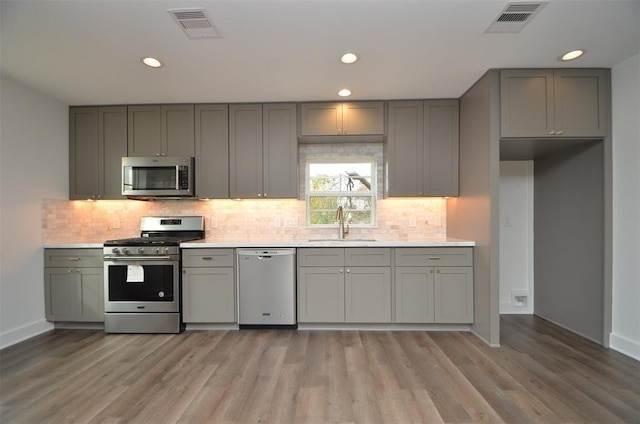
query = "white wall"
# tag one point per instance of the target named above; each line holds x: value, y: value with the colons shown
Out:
x: 625, y: 335
x: 516, y: 236
x: 34, y: 140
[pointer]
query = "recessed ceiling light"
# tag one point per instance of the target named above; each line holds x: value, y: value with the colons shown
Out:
x: 345, y: 92
x: 572, y: 55
x: 152, y: 62
x: 348, y: 58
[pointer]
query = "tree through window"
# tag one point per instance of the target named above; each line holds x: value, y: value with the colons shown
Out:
x: 350, y: 184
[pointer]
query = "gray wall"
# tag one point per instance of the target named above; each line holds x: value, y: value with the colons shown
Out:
x: 474, y: 214
x: 625, y: 333
x: 569, y: 239
x: 34, y: 157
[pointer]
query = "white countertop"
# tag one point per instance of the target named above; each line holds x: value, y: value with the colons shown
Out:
x: 208, y: 243
x: 69, y: 245
x: 447, y: 242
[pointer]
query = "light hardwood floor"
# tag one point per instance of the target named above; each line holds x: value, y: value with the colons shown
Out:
x: 540, y: 374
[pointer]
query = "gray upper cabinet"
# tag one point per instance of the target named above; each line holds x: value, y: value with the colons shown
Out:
x: 280, y: 150
x: 263, y: 158
x: 342, y: 118
x: 97, y: 142
x: 161, y: 130
x: 422, y: 148
x: 553, y: 103
x: 212, y: 151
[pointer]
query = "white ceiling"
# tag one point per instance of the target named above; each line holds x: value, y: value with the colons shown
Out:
x: 87, y: 52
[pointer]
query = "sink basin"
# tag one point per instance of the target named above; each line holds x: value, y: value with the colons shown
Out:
x: 343, y: 240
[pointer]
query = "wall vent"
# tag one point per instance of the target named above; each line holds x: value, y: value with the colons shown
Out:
x: 195, y: 23
x: 514, y: 17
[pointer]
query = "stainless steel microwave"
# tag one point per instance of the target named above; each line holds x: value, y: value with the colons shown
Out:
x: 158, y: 176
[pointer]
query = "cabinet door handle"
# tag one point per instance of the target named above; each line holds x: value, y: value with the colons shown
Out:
x: 559, y: 132
x: 207, y: 258
x: 341, y: 270
x: 348, y: 270
x: 434, y: 258
x: 74, y: 259
x: 552, y: 133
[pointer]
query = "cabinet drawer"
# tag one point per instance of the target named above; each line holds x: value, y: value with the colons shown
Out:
x: 76, y: 258
x: 321, y: 256
x: 434, y: 256
x: 207, y: 257
x: 368, y: 256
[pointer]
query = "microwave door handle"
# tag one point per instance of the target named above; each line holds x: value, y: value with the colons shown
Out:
x: 177, y: 177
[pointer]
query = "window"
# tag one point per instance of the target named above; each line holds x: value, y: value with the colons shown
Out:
x: 348, y: 183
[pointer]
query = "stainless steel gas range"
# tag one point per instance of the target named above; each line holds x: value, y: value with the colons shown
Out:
x: 142, y: 276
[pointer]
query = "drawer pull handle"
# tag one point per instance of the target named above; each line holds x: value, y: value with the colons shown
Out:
x: 74, y: 259
x: 434, y: 258
x: 207, y: 258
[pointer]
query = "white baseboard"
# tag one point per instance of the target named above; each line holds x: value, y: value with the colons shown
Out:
x: 625, y: 346
x: 509, y: 308
x: 485, y: 340
x: 25, y: 332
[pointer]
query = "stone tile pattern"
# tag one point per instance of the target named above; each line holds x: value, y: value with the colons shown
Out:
x: 80, y: 221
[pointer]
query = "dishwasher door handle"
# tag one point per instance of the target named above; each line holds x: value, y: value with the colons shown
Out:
x: 262, y: 257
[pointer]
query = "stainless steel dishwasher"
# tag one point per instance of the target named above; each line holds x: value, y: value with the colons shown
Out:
x: 266, y: 288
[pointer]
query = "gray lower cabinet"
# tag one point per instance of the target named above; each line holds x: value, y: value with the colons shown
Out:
x: 161, y: 130
x: 414, y: 295
x: 97, y: 142
x: 337, y: 285
x: 555, y: 103
x: 208, y: 286
x: 263, y: 155
x: 367, y: 294
x: 453, y: 295
x: 434, y: 285
x: 320, y: 294
x: 74, y: 285
x: 422, y: 148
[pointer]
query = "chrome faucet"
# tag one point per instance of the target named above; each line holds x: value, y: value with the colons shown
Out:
x: 342, y: 231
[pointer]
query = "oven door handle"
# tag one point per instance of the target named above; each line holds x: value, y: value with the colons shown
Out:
x: 137, y: 258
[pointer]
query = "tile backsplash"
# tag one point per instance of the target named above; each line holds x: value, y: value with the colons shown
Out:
x: 63, y: 221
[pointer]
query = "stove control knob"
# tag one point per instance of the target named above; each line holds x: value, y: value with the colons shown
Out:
x: 116, y: 250
x: 166, y: 250
x: 140, y: 250
x: 125, y: 251
x: 156, y: 250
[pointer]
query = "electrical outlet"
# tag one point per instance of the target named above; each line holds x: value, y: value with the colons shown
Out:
x: 277, y: 222
x: 412, y: 221
x: 437, y: 221
x: 115, y: 222
x: 507, y: 221
x: 291, y: 222
x: 213, y: 221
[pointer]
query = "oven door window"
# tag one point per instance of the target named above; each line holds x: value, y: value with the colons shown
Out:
x: 150, y: 283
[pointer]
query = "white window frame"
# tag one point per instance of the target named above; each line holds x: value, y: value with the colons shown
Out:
x: 372, y: 193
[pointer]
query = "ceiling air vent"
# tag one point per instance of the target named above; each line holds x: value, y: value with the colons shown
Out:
x: 195, y: 23
x: 514, y: 17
